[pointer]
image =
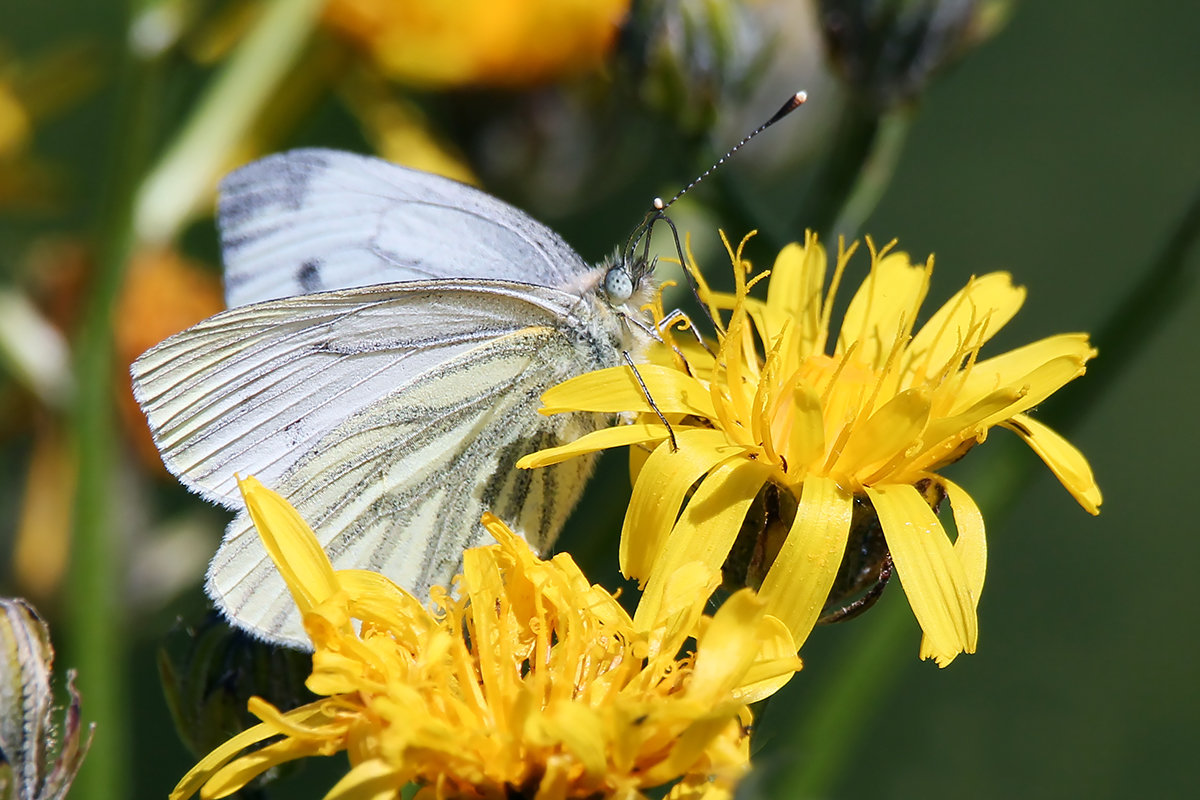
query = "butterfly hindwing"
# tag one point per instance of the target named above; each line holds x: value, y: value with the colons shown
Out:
x: 400, y: 487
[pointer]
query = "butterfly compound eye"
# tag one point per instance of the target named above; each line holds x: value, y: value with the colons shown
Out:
x: 618, y: 285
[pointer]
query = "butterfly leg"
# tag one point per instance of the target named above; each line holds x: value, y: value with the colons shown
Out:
x: 638, y: 377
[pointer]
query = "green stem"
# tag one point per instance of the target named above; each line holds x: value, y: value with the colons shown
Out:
x: 875, y: 174
x: 96, y: 641
x: 133, y: 216
x: 1145, y: 309
x: 855, y: 140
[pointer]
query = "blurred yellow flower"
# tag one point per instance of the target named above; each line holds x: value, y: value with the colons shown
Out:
x: 866, y: 418
x: 481, y: 42
x: 530, y: 682
x: 14, y: 123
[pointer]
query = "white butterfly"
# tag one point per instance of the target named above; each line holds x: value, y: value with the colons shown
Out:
x: 389, y: 336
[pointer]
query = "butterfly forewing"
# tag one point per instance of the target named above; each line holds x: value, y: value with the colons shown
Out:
x: 317, y: 220
x: 399, y: 488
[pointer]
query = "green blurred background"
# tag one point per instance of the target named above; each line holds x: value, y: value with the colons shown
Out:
x: 1064, y: 150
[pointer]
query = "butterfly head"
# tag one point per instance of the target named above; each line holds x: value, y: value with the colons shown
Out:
x: 627, y: 277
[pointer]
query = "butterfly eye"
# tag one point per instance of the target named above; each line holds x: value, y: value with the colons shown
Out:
x: 618, y: 285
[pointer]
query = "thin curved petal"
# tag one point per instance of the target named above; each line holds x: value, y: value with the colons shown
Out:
x: 1040, y: 384
x: 942, y: 336
x: 889, y: 432
x: 199, y: 774
x: 932, y: 575
x: 777, y: 662
x: 970, y: 546
x: 795, y: 290
x: 373, y: 779
x: 727, y: 648
x: 945, y: 435
x: 1063, y: 459
x: 618, y: 436
x: 616, y: 389
x: 892, y: 293
x: 705, y: 531
x: 663, y: 483
x: 291, y: 544
x: 1008, y: 368
x: 236, y: 774
x: 799, y: 580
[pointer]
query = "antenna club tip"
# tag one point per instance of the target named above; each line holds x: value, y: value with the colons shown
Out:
x: 801, y: 97
x: 658, y: 204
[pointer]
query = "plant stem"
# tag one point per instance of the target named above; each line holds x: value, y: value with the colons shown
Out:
x: 855, y: 172
x: 1163, y: 285
x: 181, y: 182
x: 96, y: 624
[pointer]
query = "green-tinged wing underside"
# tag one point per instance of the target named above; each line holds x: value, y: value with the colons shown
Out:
x: 391, y: 418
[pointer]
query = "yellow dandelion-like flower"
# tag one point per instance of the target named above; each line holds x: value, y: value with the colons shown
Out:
x: 531, y: 682
x: 481, y: 42
x: 864, y: 419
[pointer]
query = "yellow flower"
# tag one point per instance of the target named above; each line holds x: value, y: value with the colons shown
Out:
x: 530, y: 682
x: 481, y: 42
x: 861, y: 420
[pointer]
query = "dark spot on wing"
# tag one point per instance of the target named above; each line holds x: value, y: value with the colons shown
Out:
x: 281, y: 181
x: 309, y: 276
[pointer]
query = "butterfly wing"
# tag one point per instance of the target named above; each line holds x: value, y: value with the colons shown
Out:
x: 317, y: 220
x: 391, y: 418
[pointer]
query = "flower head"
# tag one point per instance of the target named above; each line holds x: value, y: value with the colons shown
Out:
x: 863, y: 418
x: 481, y: 42
x: 530, y: 681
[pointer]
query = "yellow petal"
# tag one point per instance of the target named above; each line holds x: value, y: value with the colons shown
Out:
x: 621, y: 435
x: 932, y: 575
x: 797, y: 281
x: 705, y: 531
x: 890, y: 431
x: 798, y: 583
x: 291, y: 544
x: 236, y: 774
x: 727, y: 648
x: 971, y: 544
x: 616, y: 389
x: 890, y: 294
x: 777, y: 662
x: 970, y: 547
x: 992, y: 298
x: 1063, y: 459
x: 579, y: 731
x: 943, y: 437
x: 199, y: 774
x: 1025, y: 392
x: 679, y: 614
x: 1040, y: 384
x: 662, y: 484
x: 1007, y: 368
x: 373, y: 779
x: 805, y: 423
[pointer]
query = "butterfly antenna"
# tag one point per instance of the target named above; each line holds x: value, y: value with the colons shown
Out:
x: 659, y: 208
x: 794, y: 102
